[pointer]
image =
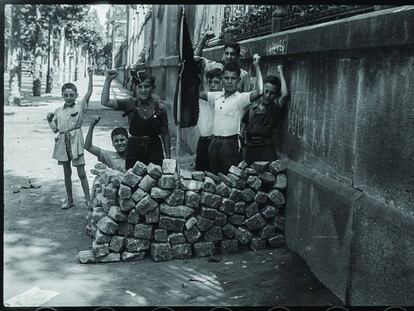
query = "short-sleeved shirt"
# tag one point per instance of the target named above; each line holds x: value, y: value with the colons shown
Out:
x: 67, y: 121
x: 228, y: 112
x: 112, y: 159
x: 261, y: 120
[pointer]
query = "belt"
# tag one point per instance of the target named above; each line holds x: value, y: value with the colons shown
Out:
x: 65, y: 132
x: 143, y: 137
x: 205, y: 137
x: 226, y: 137
x: 258, y: 140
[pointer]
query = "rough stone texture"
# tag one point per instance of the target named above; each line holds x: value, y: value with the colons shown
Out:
x: 86, y: 256
x: 252, y: 209
x: 209, y: 185
x: 138, y: 195
x: 125, y: 229
x: 153, y: 216
x: 124, y: 192
x: 154, y: 171
x: 229, y: 246
x: 267, y: 177
x: 280, y: 223
x: 192, y: 199
x: 211, y: 200
x: 176, y: 211
x: 237, y: 171
x: 159, y: 194
x: 193, y: 234
x: 227, y: 206
x: 191, y: 185
x: 248, y: 195
x: 185, y: 174
x: 117, y: 244
x: 161, y: 235
x: 236, y: 182
x: 190, y: 223
x: 106, y: 204
x: 133, y: 217
x: 209, y: 213
x: 261, y: 197
x: 236, y: 219
x: 147, y: 183
x: 143, y: 231
x: 167, y: 182
x: 229, y: 230
x: 171, y: 223
x: 243, y: 235
x: 145, y: 205
x: 110, y: 192
x: 269, y: 212
x: 213, y: 234
x: 111, y: 257
x: 220, y: 219
x: 255, y: 222
x: 254, y: 182
x: 107, y: 225
x: 204, y: 249
x: 277, y: 197
x: 203, y: 223
x: 258, y: 244
x: 101, y: 237
x: 235, y: 195
x: 251, y: 171
x: 176, y: 197
x: 169, y: 166
x: 139, y: 168
x: 268, y: 232
x: 131, y: 179
x: 128, y: 256
x: 212, y: 176
x: 242, y: 165
x: 225, y: 179
x: 223, y: 190
x: 198, y: 175
x: 260, y: 166
x: 277, y: 241
x: 182, y: 251
x: 240, y: 208
x: 116, y: 214
x: 281, y: 182
x: 277, y: 167
x: 161, y: 251
x: 100, y: 250
x: 127, y: 205
x: 176, y: 238
x: 137, y: 245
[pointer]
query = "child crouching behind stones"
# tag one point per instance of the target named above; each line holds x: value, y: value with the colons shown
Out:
x: 69, y: 144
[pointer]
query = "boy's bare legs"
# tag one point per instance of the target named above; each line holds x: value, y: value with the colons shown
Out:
x: 68, y: 184
x: 84, y: 182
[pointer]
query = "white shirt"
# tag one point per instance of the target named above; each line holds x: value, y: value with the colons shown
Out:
x: 228, y: 112
x: 205, y: 118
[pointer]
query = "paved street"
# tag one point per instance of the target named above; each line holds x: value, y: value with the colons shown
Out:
x: 41, y: 241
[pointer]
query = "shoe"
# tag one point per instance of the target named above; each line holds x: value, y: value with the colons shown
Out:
x: 67, y: 205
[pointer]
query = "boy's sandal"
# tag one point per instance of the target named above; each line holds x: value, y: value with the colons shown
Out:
x: 67, y: 205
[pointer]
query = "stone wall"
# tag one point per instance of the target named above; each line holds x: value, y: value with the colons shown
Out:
x: 149, y: 211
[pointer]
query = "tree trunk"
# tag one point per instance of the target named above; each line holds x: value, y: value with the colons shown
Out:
x: 49, y: 75
x: 76, y: 63
x: 37, y: 63
x: 15, y: 61
x: 62, y: 55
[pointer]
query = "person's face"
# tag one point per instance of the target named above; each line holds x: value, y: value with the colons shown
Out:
x: 230, y: 81
x: 69, y: 96
x: 214, y: 84
x: 119, y: 142
x: 144, y: 89
x: 229, y: 55
x: 270, y: 93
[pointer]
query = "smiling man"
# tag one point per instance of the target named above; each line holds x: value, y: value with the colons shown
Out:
x: 113, y: 159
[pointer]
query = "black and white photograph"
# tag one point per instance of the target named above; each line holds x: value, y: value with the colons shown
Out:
x: 208, y: 155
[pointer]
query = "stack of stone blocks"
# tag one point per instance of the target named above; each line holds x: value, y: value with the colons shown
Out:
x: 148, y: 211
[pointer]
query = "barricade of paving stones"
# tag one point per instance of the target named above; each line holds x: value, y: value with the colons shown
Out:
x: 149, y: 212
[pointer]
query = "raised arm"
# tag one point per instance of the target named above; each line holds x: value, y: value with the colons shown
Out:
x: 283, y: 87
x: 255, y: 94
x: 52, y: 121
x: 165, y: 134
x: 109, y: 76
x: 90, y: 86
x: 96, y: 151
x: 204, y: 38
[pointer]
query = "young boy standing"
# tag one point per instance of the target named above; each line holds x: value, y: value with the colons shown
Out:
x: 229, y: 107
x: 69, y: 144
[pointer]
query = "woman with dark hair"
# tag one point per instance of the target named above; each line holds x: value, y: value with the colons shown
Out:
x: 147, y: 120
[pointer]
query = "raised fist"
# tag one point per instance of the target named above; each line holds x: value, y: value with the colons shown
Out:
x: 279, y: 69
x: 95, y: 120
x: 256, y: 59
x: 90, y: 71
x: 208, y: 35
x: 111, y: 74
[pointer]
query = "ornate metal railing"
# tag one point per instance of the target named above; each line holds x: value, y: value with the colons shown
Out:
x: 247, y: 21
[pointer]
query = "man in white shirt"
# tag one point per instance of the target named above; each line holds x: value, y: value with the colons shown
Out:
x: 229, y: 107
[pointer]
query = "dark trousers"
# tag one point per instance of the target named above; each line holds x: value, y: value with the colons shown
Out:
x: 260, y: 153
x: 224, y: 152
x: 202, y: 161
x: 144, y: 149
